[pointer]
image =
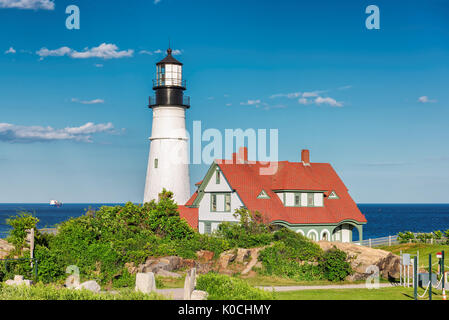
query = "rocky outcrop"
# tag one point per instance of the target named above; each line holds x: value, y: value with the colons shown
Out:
x: 5, y: 248
x: 362, y: 257
x: 205, y: 255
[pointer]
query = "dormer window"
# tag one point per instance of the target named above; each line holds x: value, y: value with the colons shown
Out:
x: 263, y: 195
x: 310, y: 200
x: 333, y: 195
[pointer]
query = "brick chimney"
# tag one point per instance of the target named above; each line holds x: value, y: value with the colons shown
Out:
x: 243, y: 155
x: 305, y: 157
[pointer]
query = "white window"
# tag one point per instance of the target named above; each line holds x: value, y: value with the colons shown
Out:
x: 310, y: 200
x: 220, y: 202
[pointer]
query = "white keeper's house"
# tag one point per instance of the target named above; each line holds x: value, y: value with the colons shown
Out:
x: 306, y: 197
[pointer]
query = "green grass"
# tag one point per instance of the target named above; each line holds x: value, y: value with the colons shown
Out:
x: 169, y: 282
x: 424, y: 250
x: 394, y: 293
x: 272, y: 281
x: 52, y: 292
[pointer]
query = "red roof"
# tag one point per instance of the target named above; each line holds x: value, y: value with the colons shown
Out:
x: 190, y: 215
x: 246, y: 179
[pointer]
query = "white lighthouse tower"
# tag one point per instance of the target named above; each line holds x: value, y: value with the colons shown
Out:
x: 168, y: 165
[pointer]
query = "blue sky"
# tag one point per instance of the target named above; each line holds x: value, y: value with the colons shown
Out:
x: 381, y: 117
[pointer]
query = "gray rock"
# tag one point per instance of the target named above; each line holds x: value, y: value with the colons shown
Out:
x: 198, y: 295
x: 18, y: 278
x: 145, y: 282
x: 91, y: 285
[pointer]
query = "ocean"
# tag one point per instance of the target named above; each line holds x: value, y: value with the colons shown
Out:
x: 383, y: 219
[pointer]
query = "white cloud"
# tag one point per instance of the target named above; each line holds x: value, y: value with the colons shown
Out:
x: 157, y: 1
x: 10, y: 50
x: 250, y: 103
x: 94, y: 101
x: 295, y: 95
x: 425, y: 99
x: 345, y: 87
x: 98, y: 65
x: 303, y: 101
x: 175, y: 52
x: 29, y: 134
x: 329, y: 101
x: 103, y: 51
x: 150, y: 53
x: 28, y: 4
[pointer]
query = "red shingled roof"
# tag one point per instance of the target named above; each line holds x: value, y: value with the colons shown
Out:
x: 190, y: 215
x: 246, y: 179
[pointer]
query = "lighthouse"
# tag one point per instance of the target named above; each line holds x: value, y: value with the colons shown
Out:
x: 168, y: 162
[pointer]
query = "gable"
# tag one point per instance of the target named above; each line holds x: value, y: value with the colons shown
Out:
x: 333, y: 195
x: 263, y: 195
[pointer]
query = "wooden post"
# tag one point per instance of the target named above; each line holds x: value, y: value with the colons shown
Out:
x: 369, y: 241
x: 389, y: 241
x: 415, y: 277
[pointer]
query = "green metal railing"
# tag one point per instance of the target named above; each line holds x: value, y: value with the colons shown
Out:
x: 34, y: 261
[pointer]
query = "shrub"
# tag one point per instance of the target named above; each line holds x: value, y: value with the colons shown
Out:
x: 293, y: 256
x: 222, y: 287
x: 20, y: 223
x: 51, y: 292
x: 248, y: 233
x: 405, y: 237
x: 334, y: 265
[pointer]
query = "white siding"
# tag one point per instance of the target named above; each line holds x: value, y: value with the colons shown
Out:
x: 223, y: 186
x: 318, y: 200
x: 289, y: 199
x: 201, y: 227
x: 281, y: 196
x: 303, y: 199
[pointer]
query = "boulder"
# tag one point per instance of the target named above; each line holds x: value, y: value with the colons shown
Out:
x: 198, y: 295
x: 362, y: 257
x: 19, y: 281
x: 131, y: 267
x: 242, y: 254
x: 5, y: 248
x: 145, y: 282
x: 91, y: 285
x: 225, y: 258
x: 205, y: 255
x: 173, y: 262
x: 188, y: 263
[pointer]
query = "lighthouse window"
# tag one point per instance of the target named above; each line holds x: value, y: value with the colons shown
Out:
x: 156, y: 163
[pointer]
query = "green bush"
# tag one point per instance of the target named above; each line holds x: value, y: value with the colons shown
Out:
x: 250, y: 232
x: 222, y: 287
x: 293, y: 256
x: 20, y: 223
x: 334, y: 265
x: 405, y: 237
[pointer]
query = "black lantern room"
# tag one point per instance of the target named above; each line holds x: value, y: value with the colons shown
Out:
x: 169, y: 85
